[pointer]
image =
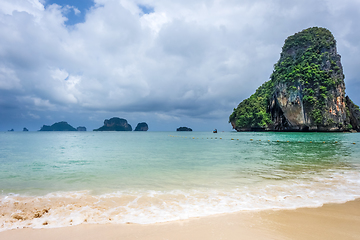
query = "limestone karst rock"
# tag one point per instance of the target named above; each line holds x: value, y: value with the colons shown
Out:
x: 143, y: 126
x: 306, y: 91
x: 115, y: 124
x: 59, y: 126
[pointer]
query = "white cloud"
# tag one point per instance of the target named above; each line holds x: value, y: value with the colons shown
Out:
x: 154, y: 21
x: 187, y: 58
x: 68, y: 8
x: 166, y: 117
x: 76, y: 11
x: 38, y: 103
x: 31, y: 6
x: 8, y: 79
x: 34, y: 116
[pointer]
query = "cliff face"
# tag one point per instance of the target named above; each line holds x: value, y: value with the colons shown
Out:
x: 353, y: 112
x: 115, y: 124
x: 306, y: 91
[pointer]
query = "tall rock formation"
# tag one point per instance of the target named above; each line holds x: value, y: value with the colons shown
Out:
x: 306, y: 91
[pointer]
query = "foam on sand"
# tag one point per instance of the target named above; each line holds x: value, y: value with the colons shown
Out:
x: 62, y: 209
x: 332, y: 221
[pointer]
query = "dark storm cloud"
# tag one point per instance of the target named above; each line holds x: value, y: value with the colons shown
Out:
x: 165, y: 61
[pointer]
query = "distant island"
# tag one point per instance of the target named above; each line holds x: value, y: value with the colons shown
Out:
x: 306, y: 91
x: 115, y: 124
x: 25, y: 129
x: 112, y: 124
x: 60, y: 126
x: 81, y: 129
x: 184, y: 129
x: 142, y: 127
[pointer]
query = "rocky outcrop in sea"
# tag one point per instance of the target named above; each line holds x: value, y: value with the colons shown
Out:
x: 184, y: 129
x: 115, y: 124
x: 59, y: 126
x: 81, y: 129
x: 306, y: 91
x: 143, y: 126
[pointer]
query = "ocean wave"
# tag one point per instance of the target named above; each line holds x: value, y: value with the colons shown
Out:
x: 60, y: 209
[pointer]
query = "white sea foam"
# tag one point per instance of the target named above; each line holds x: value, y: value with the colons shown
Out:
x: 61, y: 209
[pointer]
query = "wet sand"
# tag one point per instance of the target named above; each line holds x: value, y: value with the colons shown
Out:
x: 332, y: 221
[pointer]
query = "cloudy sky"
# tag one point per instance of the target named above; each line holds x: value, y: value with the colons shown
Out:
x: 169, y: 63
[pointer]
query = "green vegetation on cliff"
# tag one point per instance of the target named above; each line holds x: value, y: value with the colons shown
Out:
x: 309, y: 70
x: 306, y: 61
x: 353, y: 112
x: 252, y: 112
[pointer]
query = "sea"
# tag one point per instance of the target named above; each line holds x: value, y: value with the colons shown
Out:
x: 58, y: 179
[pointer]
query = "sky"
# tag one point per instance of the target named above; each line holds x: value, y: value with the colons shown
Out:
x: 168, y: 63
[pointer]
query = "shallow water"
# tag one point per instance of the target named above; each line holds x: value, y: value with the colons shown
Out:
x: 52, y: 179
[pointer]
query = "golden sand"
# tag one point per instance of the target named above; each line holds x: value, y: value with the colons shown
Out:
x: 332, y: 221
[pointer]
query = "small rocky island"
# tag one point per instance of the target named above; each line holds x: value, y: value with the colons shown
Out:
x: 81, y: 129
x: 306, y: 91
x: 142, y: 127
x: 25, y: 129
x: 59, y: 126
x: 184, y: 129
x: 115, y: 124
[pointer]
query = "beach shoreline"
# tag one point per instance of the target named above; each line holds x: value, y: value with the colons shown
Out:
x: 331, y: 221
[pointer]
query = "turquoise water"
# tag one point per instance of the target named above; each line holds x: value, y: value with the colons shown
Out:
x: 147, y: 177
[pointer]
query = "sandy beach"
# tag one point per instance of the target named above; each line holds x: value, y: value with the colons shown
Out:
x: 332, y: 221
